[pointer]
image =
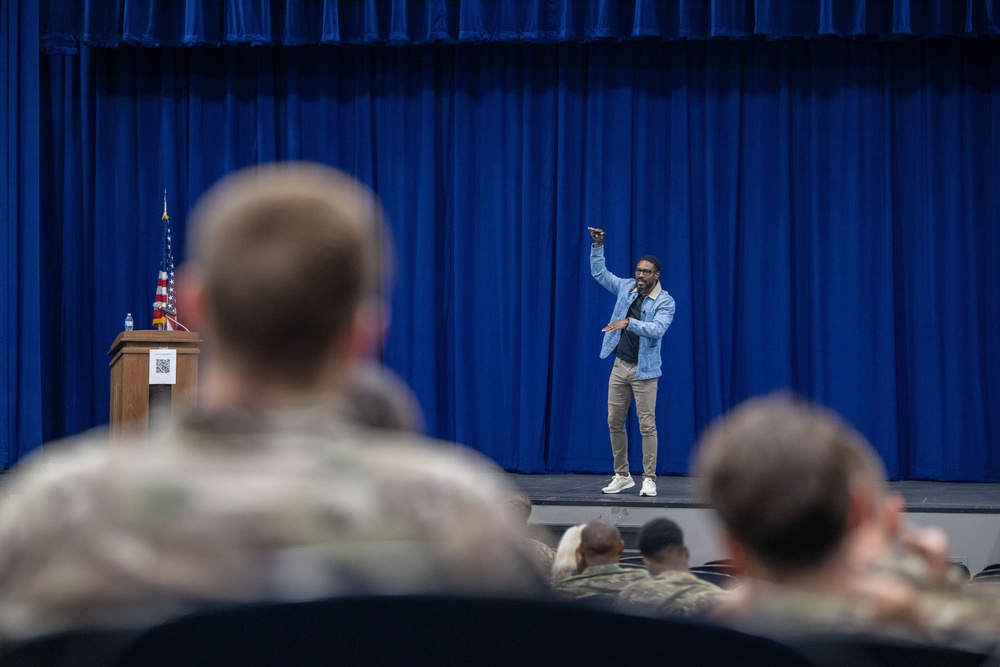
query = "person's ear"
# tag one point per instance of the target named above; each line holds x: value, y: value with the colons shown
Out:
x: 743, y: 561
x: 366, y: 335
x: 867, y: 503
x: 620, y: 547
x: 893, y: 508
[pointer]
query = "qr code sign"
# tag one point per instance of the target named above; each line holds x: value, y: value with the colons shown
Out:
x: 163, y: 366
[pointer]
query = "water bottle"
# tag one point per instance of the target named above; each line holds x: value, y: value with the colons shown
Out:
x: 128, y: 322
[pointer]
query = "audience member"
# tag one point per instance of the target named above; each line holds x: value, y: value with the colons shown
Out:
x: 671, y: 589
x: 806, y: 516
x: 379, y: 398
x: 564, y: 564
x: 518, y: 508
x: 600, y: 576
x: 265, y: 494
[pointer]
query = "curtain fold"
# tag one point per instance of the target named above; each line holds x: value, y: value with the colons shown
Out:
x: 27, y: 323
x: 823, y: 211
x: 66, y: 24
x: 876, y: 18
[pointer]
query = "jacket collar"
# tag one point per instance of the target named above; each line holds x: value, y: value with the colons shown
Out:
x: 655, y: 292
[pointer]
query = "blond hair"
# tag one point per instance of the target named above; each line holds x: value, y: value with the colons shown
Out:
x: 564, y: 564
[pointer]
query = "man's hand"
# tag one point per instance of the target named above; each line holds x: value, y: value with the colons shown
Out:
x: 597, y: 235
x: 616, y: 325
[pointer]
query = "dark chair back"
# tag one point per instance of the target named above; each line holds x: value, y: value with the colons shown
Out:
x: 76, y: 648
x: 632, y: 561
x: 720, y: 579
x: 864, y: 651
x: 435, y: 630
x: 726, y: 566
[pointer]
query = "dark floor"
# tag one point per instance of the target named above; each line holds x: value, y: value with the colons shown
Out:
x: 920, y: 496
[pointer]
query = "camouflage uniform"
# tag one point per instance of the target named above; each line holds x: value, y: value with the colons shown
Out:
x: 542, y: 554
x: 900, y: 606
x: 670, y: 593
x: 599, y: 581
x: 252, y: 506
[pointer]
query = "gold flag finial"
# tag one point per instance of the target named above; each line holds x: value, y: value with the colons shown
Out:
x: 165, y: 216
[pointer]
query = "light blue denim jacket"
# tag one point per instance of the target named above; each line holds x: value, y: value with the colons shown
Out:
x: 657, y: 314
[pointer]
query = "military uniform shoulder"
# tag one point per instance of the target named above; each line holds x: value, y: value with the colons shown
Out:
x: 541, y: 552
x: 603, y: 581
x: 54, y: 460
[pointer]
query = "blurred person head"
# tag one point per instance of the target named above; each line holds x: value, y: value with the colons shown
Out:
x: 518, y: 508
x: 565, y: 562
x: 376, y: 397
x: 600, y: 544
x: 796, y: 487
x: 284, y: 275
x: 661, y: 543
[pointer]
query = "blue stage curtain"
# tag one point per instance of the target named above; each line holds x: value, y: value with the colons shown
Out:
x: 824, y: 212
x: 25, y: 321
x: 68, y: 23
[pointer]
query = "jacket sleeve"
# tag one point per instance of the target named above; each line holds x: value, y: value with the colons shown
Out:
x: 662, y: 318
x: 608, y: 280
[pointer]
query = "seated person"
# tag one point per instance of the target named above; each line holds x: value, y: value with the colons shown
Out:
x: 564, y: 564
x: 807, y: 518
x: 518, y: 508
x: 378, y: 398
x: 600, y: 576
x: 671, y: 589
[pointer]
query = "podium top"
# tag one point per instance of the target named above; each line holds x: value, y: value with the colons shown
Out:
x: 154, y: 338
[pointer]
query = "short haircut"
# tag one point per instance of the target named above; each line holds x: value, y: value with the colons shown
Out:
x: 779, y: 473
x: 659, y: 534
x: 286, y: 253
x: 600, y: 537
x: 652, y: 260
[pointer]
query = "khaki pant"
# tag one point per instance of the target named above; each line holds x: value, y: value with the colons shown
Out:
x: 622, y: 386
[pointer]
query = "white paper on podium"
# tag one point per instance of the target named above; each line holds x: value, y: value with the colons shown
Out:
x: 163, y: 366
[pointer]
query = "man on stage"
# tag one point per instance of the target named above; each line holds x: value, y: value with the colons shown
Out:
x: 643, y: 311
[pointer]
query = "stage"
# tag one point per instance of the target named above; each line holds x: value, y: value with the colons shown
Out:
x: 968, y: 512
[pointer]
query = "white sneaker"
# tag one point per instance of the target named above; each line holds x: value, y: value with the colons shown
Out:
x: 648, y: 487
x: 619, y: 483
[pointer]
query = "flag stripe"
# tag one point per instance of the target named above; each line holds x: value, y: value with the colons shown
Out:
x: 165, y: 281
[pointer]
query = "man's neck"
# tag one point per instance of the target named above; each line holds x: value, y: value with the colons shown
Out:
x: 598, y: 562
x: 226, y: 391
x: 830, y: 577
x: 659, y: 568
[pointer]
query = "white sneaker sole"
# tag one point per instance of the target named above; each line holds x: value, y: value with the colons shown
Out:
x: 608, y: 489
x: 647, y: 493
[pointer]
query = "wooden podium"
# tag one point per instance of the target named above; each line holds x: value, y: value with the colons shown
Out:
x: 131, y: 393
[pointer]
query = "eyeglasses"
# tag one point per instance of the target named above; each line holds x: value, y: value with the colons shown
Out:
x: 644, y: 272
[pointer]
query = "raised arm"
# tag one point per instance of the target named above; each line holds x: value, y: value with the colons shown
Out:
x: 608, y: 280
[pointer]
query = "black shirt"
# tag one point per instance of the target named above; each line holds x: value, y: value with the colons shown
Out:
x: 628, y: 345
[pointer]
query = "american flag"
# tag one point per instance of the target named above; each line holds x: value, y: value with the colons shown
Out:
x: 165, y: 304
